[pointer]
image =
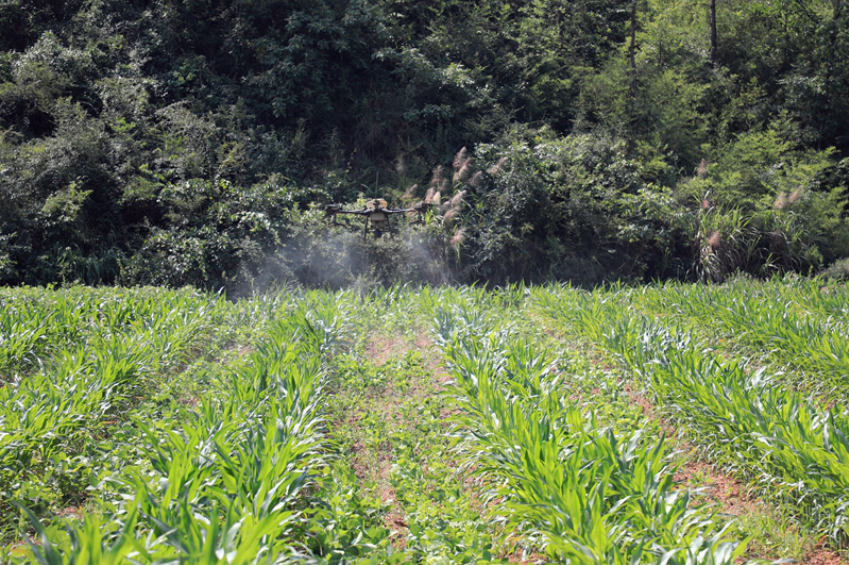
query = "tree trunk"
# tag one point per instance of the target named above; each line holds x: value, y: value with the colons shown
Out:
x: 713, y: 33
x: 633, y: 47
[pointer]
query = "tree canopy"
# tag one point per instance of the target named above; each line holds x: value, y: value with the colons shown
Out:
x: 192, y: 142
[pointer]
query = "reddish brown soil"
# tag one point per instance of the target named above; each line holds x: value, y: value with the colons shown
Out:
x: 649, y: 410
x: 433, y: 360
x: 381, y: 349
x: 529, y: 560
x: 727, y: 492
x: 360, y: 468
x: 822, y: 556
x: 733, y: 498
x: 70, y: 512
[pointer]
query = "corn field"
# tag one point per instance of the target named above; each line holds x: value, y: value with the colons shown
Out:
x: 673, y: 424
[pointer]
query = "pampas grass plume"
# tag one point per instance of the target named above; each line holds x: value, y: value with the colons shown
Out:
x: 463, y: 171
x: 457, y: 199
x: 436, y: 181
x: 715, y: 240
x: 458, y: 238
x: 496, y: 168
x: 794, y: 196
x: 459, y: 159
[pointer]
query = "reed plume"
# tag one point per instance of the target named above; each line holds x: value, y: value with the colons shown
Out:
x: 459, y: 159
x: 496, y: 168
x: 457, y: 198
x: 410, y: 192
x: 458, y: 238
x: 436, y: 181
x: 715, y: 240
x: 463, y: 170
x: 794, y: 196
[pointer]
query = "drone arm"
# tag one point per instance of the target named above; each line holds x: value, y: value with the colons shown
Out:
x: 354, y: 212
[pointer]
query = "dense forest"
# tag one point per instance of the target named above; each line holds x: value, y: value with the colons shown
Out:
x: 196, y: 141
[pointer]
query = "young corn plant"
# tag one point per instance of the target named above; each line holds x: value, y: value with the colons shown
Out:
x: 797, y: 327
x: 785, y: 441
x: 587, y: 494
x: 226, y: 485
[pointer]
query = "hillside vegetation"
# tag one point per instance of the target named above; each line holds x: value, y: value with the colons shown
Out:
x: 439, y: 426
x: 189, y: 142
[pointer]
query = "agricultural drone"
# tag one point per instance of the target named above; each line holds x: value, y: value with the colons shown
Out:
x: 377, y: 215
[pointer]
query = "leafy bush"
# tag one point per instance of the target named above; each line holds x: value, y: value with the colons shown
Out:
x: 764, y: 207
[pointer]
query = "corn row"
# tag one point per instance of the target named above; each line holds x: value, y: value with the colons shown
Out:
x: 587, y: 494
x: 226, y: 486
x: 806, y: 329
x: 796, y: 450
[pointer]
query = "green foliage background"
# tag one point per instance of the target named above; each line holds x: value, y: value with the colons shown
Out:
x: 188, y: 142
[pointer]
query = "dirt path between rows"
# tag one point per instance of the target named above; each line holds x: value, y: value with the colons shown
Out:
x: 381, y: 350
x: 731, y: 496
